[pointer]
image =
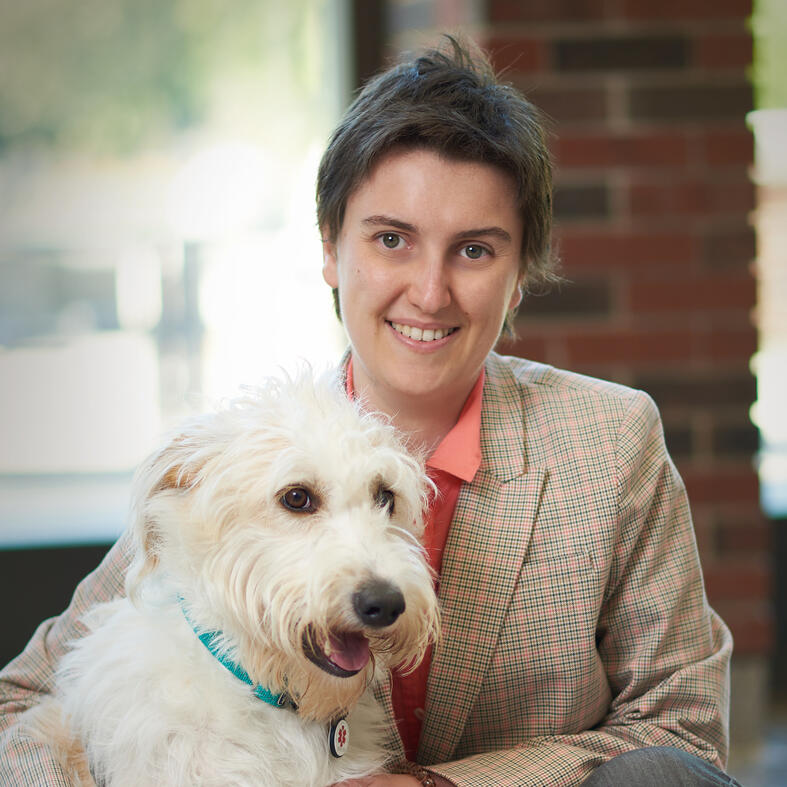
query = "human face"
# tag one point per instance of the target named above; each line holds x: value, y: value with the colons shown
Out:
x: 427, y: 265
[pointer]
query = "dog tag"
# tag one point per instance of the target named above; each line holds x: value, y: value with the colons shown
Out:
x: 339, y: 737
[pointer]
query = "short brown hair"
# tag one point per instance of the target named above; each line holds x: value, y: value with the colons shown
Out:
x: 449, y: 100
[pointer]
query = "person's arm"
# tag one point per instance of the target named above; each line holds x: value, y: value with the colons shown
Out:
x: 666, y: 653
x: 30, y: 676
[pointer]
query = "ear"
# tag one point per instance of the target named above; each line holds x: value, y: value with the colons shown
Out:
x: 330, y: 268
x: 516, y: 295
x: 161, y: 475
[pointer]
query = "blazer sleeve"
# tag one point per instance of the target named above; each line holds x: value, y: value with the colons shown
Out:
x: 30, y: 676
x: 666, y: 653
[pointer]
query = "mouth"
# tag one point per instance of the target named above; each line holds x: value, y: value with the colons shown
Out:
x: 422, y: 335
x: 343, y: 655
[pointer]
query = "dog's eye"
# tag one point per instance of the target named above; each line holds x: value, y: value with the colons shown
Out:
x: 385, y: 499
x: 299, y: 499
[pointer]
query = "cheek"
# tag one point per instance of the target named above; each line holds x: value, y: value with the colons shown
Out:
x: 361, y: 281
x: 488, y: 302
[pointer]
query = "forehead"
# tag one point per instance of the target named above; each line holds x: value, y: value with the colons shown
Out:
x: 411, y: 181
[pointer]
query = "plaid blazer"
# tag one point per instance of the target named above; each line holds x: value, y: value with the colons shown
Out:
x: 575, y: 623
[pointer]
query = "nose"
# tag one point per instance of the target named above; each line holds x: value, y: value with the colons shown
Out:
x: 378, y: 603
x: 429, y: 289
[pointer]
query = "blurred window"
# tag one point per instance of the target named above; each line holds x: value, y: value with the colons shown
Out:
x: 158, y: 245
x: 769, y: 123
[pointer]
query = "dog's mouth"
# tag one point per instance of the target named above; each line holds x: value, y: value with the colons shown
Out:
x: 342, y: 655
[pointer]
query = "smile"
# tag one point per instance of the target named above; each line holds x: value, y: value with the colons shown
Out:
x: 420, y: 335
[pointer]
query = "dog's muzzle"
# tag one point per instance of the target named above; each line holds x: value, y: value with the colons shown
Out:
x: 377, y: 604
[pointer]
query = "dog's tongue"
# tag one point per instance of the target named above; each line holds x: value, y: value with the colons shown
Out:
x: 349, y: 651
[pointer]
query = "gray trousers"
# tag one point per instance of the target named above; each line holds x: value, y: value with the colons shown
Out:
x: 658, y: 766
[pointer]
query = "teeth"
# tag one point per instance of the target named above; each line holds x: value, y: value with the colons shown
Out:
x: 419, y: 335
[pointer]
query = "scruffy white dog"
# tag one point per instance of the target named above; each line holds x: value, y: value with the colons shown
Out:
x: 278, y: 572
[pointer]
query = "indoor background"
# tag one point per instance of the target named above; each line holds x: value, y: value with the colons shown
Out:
x: 158, y: 249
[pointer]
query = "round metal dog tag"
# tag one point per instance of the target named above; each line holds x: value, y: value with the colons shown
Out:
x: 339, y: 737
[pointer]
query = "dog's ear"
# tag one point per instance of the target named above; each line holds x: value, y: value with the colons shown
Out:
x: 159, y: 483
x: 176, y: 476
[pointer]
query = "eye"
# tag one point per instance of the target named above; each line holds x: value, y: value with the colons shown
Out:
x: 298, y: 499
x: 391, y: 240
x: 474, y: 252
x: 385, y: 499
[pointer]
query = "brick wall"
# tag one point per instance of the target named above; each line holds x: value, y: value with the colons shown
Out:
x: 652, y: 203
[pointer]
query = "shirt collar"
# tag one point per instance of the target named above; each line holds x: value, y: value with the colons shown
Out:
x: 459, y: 452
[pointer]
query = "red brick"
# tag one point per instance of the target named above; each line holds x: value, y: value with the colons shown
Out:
x: 739, y: 580
x: 704, y: 388
x: 581, y: 201
x: 733, y: 197
x: 679, y: 199
x: 629, y: 346
x: 703, y: 531
x: 721, y: 484
x: 525, y: 346
x: 699, y: 98
x: 545, y: 10
x: 687, y: 9
x: 729, y: 343
x: 752, y: 632
x: 732, y: 246
x: 735, y: 440
x: 566, y: 106
x: 726, y: 148
x: 517, y: 54
x: 733, y: 50
x: 672, y: 341
x: 752, y: 537
x: 657, y: 149
x: 667, y: 199
x: 614, y: 249
x: 695, y: 293
x: 592, y: 297
x: 621, y: 52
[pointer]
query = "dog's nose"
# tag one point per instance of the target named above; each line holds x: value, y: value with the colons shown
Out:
x: 378, y: 603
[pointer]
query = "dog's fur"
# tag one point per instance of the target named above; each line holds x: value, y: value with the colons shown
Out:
x: 140, y: 700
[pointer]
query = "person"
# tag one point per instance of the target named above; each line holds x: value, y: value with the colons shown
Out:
x: 578, y: 645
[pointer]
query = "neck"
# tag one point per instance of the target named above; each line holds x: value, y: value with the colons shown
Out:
x: 425, y: 430
x: 425, y: 422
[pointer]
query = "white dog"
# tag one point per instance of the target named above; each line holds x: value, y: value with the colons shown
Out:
x: 278, y: 572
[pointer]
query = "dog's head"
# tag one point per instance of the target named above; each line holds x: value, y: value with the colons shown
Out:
x: 290, y: 521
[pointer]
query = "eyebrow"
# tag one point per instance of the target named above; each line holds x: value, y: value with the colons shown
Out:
x: 389, y: 221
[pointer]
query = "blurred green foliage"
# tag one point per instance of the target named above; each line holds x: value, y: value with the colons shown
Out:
x: 112, y: 75
x: 769, y: 25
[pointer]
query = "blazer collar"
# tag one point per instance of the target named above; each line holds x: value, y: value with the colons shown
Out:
x: 502, y: 417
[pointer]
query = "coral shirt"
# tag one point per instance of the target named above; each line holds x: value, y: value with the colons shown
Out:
x: 455, y: 460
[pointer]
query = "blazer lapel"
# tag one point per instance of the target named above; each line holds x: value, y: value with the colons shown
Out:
x: 486, y: 548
